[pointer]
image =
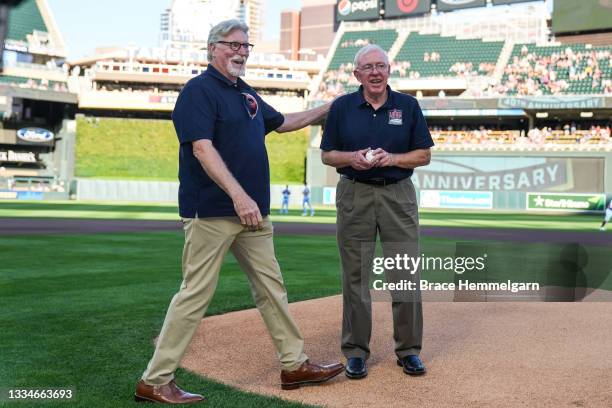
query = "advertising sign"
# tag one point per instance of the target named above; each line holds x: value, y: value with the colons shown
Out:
x: 8, y: 195
x: 12, y: 156
x: 21, y: 195
x: 35, y: 135
x: 171, y: 99
x: 448, y: 5
x: 397, y: 8
x: 584, y: 15
x: 350, y: 10
x: 496, y: 2
x: 456, y: 199
x: 553, y: 102
x: 512, y: 173
x: 566, y: 202
x: 329, y: 195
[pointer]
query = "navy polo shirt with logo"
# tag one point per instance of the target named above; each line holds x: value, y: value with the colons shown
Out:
x: 398, y: 126
x: 236, y: 120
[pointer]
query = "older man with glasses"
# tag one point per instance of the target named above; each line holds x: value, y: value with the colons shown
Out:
x: 224, y: 203
x: 375, y: 137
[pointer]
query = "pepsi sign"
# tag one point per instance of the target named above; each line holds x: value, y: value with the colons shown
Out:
x: 350, y: 10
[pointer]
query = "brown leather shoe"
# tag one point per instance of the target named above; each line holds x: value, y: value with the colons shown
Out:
x: 309, y: 374
x: 166, y: 394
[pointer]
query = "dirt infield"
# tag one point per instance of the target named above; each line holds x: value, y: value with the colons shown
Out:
x: 28, y: 226
x: 477, y: 355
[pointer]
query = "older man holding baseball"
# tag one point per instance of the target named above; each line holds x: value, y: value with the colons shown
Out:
x: 375, y: 137
x: 224, y: 202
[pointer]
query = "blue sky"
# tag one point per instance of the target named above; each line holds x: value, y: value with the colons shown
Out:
x: 88, y: 24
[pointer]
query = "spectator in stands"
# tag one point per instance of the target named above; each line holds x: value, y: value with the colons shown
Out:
x: 532, y: 74
x: 224, y: 202
x: 375, y: 196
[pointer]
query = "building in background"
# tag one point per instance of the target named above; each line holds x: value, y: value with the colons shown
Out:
x: 35, y: 143
x: 307, y: 34
x: 186, y: 24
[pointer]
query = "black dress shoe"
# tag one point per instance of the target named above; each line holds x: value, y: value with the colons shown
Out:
x: 356, y: 368
x: 412, y: 365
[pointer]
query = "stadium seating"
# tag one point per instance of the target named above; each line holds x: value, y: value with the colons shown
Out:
x: 595, y: 138
x: 531, y: 69
x: 339, y: 78
x: 23, y: 20
x: 451, y: 56
x: 33, y: 83
x: 559, y: 69
x: 351, y: 41
x: 421, y: 56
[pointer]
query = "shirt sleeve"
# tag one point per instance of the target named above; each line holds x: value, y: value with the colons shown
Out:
x: 419, y: 132
x: 194, y: 114
x: 273, y: 119
x: 330, y: 139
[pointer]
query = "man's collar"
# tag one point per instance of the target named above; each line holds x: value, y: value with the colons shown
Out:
x: 216, y: 74
x: 362, y: 101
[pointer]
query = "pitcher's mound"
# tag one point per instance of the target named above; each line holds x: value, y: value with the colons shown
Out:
x: 476, y: 354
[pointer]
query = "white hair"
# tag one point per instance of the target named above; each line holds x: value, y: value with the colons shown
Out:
x: 369, y: 48
x: 223, y: 29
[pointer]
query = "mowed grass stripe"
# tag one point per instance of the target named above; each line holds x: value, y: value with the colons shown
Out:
x: 79, y: 210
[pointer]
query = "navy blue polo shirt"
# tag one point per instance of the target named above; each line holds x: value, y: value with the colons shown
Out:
x: 236, y: 120
x: 398, y: 126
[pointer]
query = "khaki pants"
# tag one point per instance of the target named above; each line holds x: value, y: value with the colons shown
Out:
x: 365, y: 211
x: 206, y: 243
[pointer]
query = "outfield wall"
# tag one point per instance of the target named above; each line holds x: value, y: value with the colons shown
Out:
x: 167, y: 192
x: 512, y: 181
x: 499, y: 180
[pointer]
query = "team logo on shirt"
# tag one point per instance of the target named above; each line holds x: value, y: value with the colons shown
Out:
x: 395, y: 117
x: 250, y: 104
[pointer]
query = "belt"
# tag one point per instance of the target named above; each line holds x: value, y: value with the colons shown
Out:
x: 379, y: 181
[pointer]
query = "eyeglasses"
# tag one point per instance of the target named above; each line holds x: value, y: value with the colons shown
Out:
x: 235, y: 45
x: 371, y: 67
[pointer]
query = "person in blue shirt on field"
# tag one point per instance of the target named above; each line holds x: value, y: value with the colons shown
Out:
x: 285, y: 205
x: 224, y: 203
x: 375, y: 137
x: 607, y: 216
x: 306, y: 201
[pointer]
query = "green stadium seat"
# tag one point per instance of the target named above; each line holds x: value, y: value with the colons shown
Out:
x: 451, y: 50
x: 23, y: 20
x: 574, y: 86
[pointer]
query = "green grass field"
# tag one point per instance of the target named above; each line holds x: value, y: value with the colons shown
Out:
x: 81, y: 311
x: 142, y: 149
x: 73, y: 209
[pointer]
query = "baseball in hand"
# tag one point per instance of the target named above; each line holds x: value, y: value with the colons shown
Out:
x: 369, y: 156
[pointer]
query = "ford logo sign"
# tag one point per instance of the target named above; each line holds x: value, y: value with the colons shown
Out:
x: 35, y: 135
